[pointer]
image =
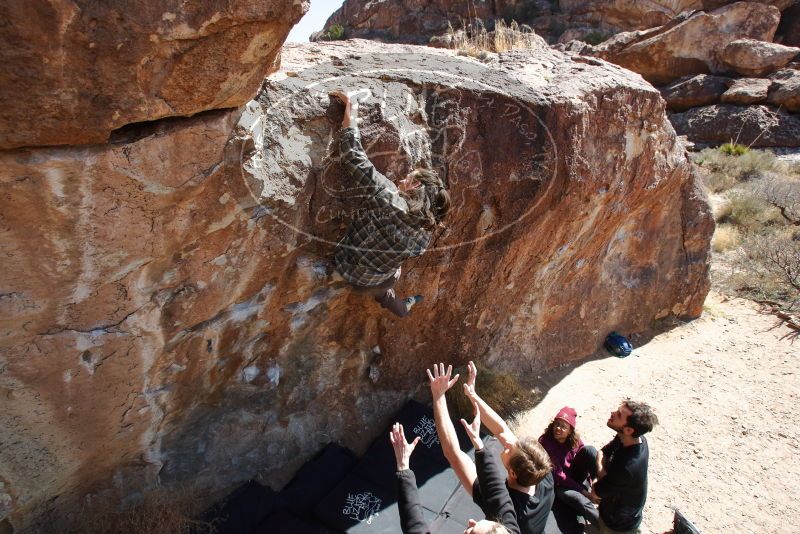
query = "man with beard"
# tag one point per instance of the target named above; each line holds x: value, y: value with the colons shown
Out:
x: 621, y: 488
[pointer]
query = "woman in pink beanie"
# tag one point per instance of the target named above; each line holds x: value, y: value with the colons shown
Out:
x: 574, y: 466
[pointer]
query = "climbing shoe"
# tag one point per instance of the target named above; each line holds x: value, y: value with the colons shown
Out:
x: 411, y: 301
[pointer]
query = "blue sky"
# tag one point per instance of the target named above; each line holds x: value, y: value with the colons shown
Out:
x: 313, y: 20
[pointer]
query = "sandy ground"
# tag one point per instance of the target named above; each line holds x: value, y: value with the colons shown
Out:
x: 725, y: 388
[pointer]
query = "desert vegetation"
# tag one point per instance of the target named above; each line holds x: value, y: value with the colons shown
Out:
x: 756, y: 201
x: 164, y: 511
x: 476, y: 41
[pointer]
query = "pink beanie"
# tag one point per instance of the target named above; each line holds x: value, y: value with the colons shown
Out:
x: 567, y: 414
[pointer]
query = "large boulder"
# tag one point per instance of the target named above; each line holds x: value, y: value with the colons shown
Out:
x: 784, y: 90
x: 72, y: 72
x: 746, y: 91
x: 755, y: 126
x: 693, y: 91
x: 625, y: 15
x: 690, y: 45
x: 418, y: 22
x: 413, y: 21
x: 169, y: 314
x: 756, y: 58
x: 710, y: 5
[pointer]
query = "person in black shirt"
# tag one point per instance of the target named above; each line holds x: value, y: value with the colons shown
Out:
x: 621, y: 488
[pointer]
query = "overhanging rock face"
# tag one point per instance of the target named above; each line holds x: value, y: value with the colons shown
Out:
x: 169, y: 311
x: 71, y: 72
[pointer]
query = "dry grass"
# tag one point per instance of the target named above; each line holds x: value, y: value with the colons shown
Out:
x: 501, y: 391
x: 474, y: 40
x: 726, y: 237
x: 724, y: 169
x: 767, y: 267
x: 161, y: 511
x: 757, y: 243
x: 750, y: 213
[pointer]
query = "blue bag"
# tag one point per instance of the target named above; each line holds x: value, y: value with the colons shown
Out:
x: 618, y: 345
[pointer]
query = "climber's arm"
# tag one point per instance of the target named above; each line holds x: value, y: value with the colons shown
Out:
x: 491, y: 419
x: 368, y: 181
x: 350, y: 111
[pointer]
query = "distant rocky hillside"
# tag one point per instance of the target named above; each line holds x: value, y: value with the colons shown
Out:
x: 728, y: 70
x: 557, y: 21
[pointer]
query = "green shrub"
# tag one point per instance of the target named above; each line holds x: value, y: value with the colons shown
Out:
x: 749, y: 212
x: 723, y: 170
x: 336, y: 32
x: 733, y: 149
x: 718, y: 181
x: 769, y: 268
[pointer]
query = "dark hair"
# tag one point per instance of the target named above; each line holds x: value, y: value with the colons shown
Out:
x: 430, y: 201
x: 642, y: 418
x: 530, y: 462
x: 572, y: 440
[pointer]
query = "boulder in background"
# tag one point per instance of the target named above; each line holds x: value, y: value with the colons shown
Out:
x: 693, y: 91
x: 756, y: 126
x: 691, y: 44
x: 746, y: 91
x: 785, y: 89
x: 756, y: 58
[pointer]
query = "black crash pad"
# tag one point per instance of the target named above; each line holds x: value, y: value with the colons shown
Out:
x: 242, y: 510
x: 461, y: 508
x: 417, y: 420
x: 358, y: 505
x: 285, y: 522
x: 316, y: 479
x: 435, y: 482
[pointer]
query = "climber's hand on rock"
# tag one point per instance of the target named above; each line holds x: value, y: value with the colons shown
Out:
x: 341, y: 95
x: 350, y: 109
x: 440, y: 380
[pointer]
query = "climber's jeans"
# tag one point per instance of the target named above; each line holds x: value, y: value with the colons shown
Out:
x: 384, y: 294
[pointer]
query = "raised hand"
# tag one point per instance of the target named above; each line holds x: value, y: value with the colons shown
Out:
x: 469, y: 386
x: 440, y: 380
x: 474, y: 428
x: 402, y: 449
x: 473, y: 373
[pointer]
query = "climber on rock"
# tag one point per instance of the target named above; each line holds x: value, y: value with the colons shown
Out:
x: 393, y: 222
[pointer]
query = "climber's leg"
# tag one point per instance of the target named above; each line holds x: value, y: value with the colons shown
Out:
x: 385, y: 296
x: 391, y: 302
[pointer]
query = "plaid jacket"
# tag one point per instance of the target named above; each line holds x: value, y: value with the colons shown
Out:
x: 382, y: 233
